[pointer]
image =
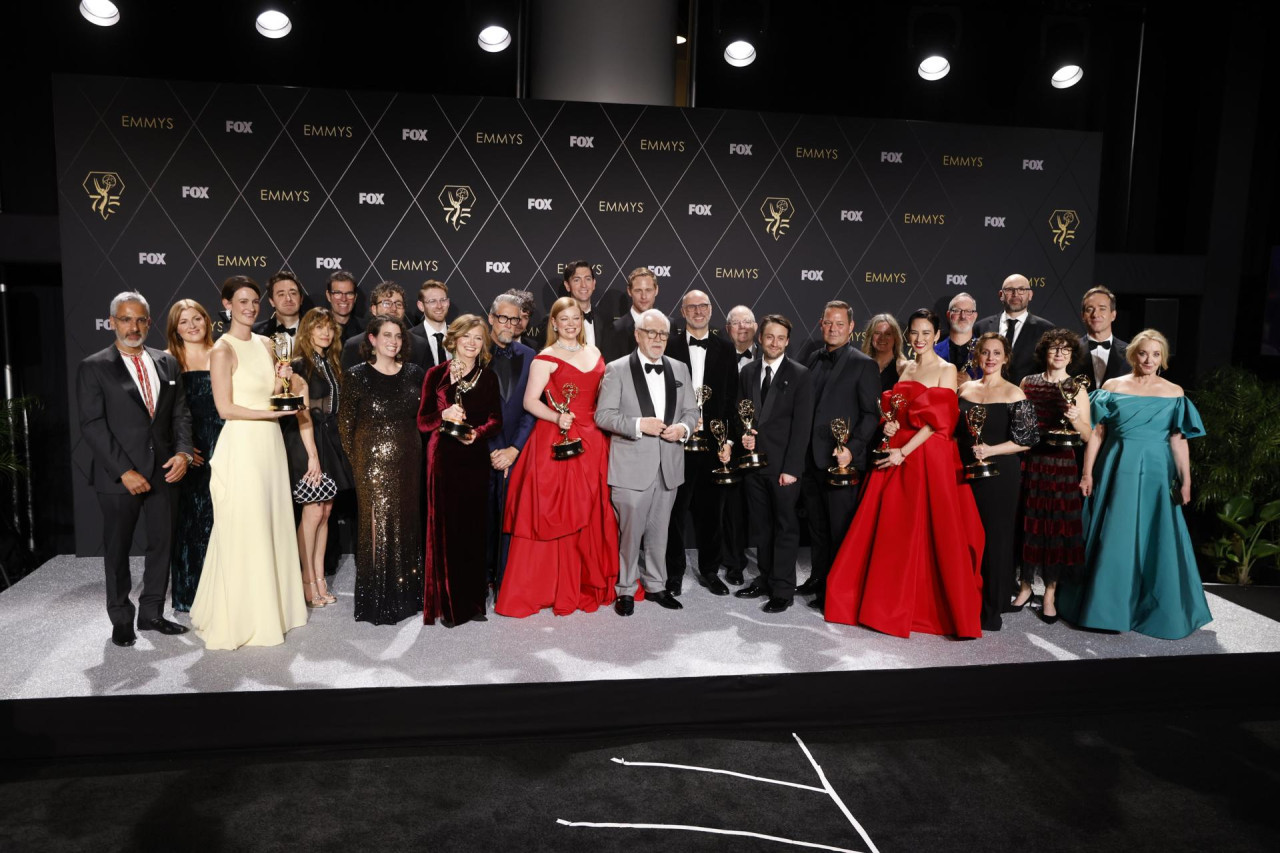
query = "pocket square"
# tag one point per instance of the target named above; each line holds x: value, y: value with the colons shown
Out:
x: 173, y: 382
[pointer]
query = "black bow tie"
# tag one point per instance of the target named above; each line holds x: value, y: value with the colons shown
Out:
x: 653, y: 368
x: 588, y: 316
x: 744, y: 354
x: 829, y: 356
x: 504, y: 352
x: 1093, y: 345
x: 698, y: 342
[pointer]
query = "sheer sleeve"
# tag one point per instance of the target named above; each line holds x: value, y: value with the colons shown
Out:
x: 1024, y: 426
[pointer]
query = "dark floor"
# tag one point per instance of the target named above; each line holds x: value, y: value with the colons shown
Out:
x: 1170, y: 782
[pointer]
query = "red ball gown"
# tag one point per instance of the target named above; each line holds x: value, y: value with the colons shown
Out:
x: 912, y: 558
x: 564, y: 534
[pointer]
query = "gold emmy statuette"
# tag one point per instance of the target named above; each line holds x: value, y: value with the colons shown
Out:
x: 697, y: 442
x: 461, y: 430
x: 979, y: 469
x: 282, y: 344
x: 838, y: 475
x: 724, y: 475
x: 751, y: 459
x: 890, y: 416
x: 1066, y: 435
x: 565, y: 448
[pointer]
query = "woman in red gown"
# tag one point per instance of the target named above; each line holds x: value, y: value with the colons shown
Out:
x: 912, y: 558
x: 564, y: 534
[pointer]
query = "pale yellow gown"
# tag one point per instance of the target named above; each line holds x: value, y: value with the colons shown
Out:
x: 250, y: 590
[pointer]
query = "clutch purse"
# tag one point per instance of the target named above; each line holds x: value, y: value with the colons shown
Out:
x: 305, y: 493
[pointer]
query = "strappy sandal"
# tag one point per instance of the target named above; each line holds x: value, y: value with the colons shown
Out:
x: 316, y: 601
x: 325, y: 595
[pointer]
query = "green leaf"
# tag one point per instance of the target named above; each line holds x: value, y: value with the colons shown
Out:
x: 1238, y: 508
x: 1265, y: 549
x: 1270, y: 512
x: 1239, y: 530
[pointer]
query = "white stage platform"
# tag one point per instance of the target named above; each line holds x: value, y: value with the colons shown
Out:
x: 57, y: 644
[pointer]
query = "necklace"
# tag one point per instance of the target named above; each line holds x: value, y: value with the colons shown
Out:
x: 575, y: 348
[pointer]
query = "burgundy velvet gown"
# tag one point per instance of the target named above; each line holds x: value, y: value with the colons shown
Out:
x: 564, y: 534
x: 455, y: 585
x: 912, y: 558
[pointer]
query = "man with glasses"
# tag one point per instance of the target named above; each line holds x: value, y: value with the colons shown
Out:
x: 535, y: 337
x: 342, y: 294
x: 134, y: 417
x: 957, y: 346
x: 711, y: 364
x: 510, y: 363
x: 740, y: 323
x: 428, y: 338
x: 1020, y: 327
x: 285, y: 295
x: 646, y: 402
x: 387, y: 300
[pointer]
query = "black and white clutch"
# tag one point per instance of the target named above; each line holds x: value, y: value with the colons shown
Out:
x: 305, y: 493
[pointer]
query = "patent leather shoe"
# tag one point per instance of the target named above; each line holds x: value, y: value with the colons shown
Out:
x: 752, y: 591
x: 675, y: 587
x: 122, y: 635
x: 810, y: 587
x: 666, y: 599
x: 164, y: 626
x: 734, y: 577
x: 624, y: 605
x: 714, y: 585
x: 776, y: 605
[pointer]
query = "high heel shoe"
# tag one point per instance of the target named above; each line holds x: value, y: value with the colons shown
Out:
x: 316, y: 601
x: 325, y: 595
x: 1017, y: 608
x: 1046, y: 618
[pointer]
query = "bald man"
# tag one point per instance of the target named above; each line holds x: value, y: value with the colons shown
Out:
x: 1018, y: 325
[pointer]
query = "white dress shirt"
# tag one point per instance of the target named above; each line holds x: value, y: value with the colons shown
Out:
x: 773, y: 373
x: 743, y: 362
x: 589, y: 327
x: 1017, y: 329
x: 697, y: 358
x: 1100, y: 357
x: 442, y: 355
x: 657, y: 384
x: 153, y: 375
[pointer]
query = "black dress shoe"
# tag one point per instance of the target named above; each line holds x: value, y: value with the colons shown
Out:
x: 624, y: 605
x: 810, y: 587
x: 665, y: 598
x: 1046, y: 618
x: 675, y: 587
x: 164, y: 626
x: 122, y: 635
x: 818, y: 603
x: 776, y: 605
x: 734, y: 576
x: 714, y: 585
x: 752, y: 591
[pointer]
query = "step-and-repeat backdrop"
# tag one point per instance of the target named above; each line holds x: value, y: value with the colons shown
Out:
x: 170, y: 187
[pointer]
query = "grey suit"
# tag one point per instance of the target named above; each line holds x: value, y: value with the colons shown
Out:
x: 644, y: 472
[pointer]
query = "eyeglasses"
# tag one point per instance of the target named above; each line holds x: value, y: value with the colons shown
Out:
x: 698, y: 309
x: 742, y: 324
x: 656, y: 336
x: 963, y: 312
x: 391, y: 304
x: 132, y: 321
x: 1061, y: 349
x: 342, y: 294
x: 432, y: 303
x: 501, y: 320
x: 1014, y: 290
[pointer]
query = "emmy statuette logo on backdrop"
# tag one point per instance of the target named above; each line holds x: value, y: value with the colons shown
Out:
x: 1063, y: 224
x: 105, y: 189
x: 456, y: 201
x: 777, y: 216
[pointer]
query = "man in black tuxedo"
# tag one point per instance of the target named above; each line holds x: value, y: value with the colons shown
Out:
x: 580, y: 283
x: 740, y: 326
x: 846, y: 384
x: 1020, y: 327
x: 1101, y: 354
x: 341, y: 292
x: 533, y: 337
x: 782, y: 392
x: 710, y: 362
x: 642, y: 288
x: 285, y: 296
x: 387, y: 298
x: 428, y: 336
x: 134, y: 417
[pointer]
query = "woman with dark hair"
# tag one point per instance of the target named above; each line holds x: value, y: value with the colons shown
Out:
x: 378, y: 425
x: 249, y: 593
x: 884, y: 343
x: 564, y: 534
x: 1052, y: 545
x: 912, y: 558
x: 1140, y: 565
x: 462, y: 390
x: 317, y: 377
x: 190, y: 336
x: 1007, y: 427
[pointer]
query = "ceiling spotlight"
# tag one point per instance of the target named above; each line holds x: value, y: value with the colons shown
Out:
x: 494, y: 39
x: 934, y: 68
x: 273, y: 24
x: 740, y: 54
x: 103, y: 13
x: 1067, y: 76
x: 681, y: 39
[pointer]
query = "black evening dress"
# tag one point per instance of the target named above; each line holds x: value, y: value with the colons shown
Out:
x: 1052, y: 529
x: 325, y: 399
x: 997, y: 499
x: 195, y: 507
x: 456, y: 585
x: 378, y: 422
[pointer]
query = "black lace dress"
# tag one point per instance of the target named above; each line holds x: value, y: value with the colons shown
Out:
x: 997, y: 498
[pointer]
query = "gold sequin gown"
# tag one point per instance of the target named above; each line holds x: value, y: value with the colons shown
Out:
x: 250, y: 590
x: 378, y: 422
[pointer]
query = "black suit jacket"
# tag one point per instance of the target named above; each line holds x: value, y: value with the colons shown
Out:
x: 852, y: 392
x: 270, y: 326
x: 115, y: 424
x: 784, y: 420
x: 423, y: 352
x: 1117, y: 363
x: 620, y: 340
x: 719, y: 373
x: 1023, y: 362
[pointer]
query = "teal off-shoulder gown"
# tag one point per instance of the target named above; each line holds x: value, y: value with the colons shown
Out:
x: 1140, y: 567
